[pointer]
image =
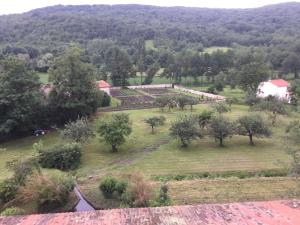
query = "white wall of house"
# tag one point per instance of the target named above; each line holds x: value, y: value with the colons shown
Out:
x: 107, y: 90
x: 266, y: 89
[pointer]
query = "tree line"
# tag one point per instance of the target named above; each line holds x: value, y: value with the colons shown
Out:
x: 24, y: 106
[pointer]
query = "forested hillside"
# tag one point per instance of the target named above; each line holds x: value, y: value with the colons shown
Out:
x: 175, y: 27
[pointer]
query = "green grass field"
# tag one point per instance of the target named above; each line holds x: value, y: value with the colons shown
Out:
x: 44, y: 77
x: 167, y: 158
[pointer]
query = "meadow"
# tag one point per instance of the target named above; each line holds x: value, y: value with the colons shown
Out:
x: 161, y: 159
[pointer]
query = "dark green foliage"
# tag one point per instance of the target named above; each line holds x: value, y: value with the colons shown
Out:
x: 221, y: 128
x: 251, y: 99
x: 253, y: 125
x: 74, y: 92
x: 105, y: 100
x: 20, y: 98
x: 186, y: 129
x: 121, y: 187
x: 292, y: 64
x: 63, y: 157
x: 211, y: 89
x: 155, y: 121
x: 79, y: 131
x: 118, y: 64
x: 176, y: 28
x: 251, y: 75
x: 108, y: 186
x: 114, y: 129
x: 12, y: 211
x: 8, y: 190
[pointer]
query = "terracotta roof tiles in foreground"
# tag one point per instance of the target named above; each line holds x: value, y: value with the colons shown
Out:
x: 258, y: 213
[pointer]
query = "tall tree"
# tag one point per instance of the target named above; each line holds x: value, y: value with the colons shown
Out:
x: 74, y: 92
x: 119, y: 66
x: 141, y: 57
x: 20, y: 97
x: 292, y: 64
x: 251, y: 75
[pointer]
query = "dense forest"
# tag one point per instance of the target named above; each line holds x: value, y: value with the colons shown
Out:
x: 44, y: 33
x: 173, y: 27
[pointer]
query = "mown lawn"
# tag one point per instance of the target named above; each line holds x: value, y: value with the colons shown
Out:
x: 202, y: 155
x: 200, y: 191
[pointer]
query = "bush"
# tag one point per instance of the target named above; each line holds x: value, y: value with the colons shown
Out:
x: 219, y: 85
x: 211, y: 89
x: 139, y: 192
x: 49, y: 191
x: 121, y: 187
x: 163, y: 195
x: 22, y: 168
x: 108, y: 186
x: 8, y: 190
x: 221, y: 107
x: 63, y: 157
x: 12, y: 211
x: 106, y: 100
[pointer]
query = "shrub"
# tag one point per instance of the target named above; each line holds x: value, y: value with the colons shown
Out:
x: 8, y: 190
x: 108, y: 186
x: 22, y: 168
x: 163, y: 195
x: 221, y: 107
x: 63, y: 157
x: 12, y: 211
x: 139, y: 191
x: 211, y: 89
x: 121, y: 187
x: 48, y: 191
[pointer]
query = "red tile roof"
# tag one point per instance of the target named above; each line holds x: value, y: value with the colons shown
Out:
x: 280, y: 83
x: 103, y: 84
x: 273, y: 212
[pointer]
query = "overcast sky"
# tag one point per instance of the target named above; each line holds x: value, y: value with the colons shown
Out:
x: 17, y: 6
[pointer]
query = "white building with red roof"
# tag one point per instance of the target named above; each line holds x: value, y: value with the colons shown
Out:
x: 278, y: 88
x: 104, y: 86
